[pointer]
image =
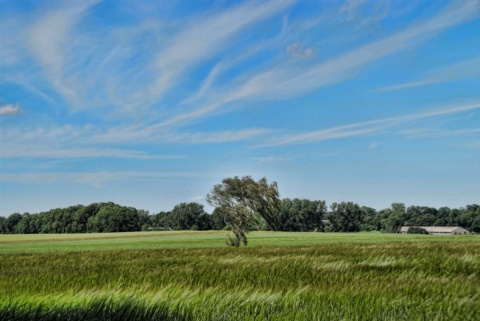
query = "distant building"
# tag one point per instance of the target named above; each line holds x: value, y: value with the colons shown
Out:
x: 439, y: 230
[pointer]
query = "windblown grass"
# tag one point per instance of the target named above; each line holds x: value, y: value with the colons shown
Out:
x: 416, y: 279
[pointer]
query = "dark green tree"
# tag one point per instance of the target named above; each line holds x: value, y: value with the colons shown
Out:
x: 12, y: 222
x: 470, y: 218
x: 302, y: 214
x: 346, y: 217
x: 420, y: 216
x: 23, y: 226
x: 161, y: 220
x: 393, y: 218
x: 371, y: 219
x: 186, y: 216
x: 3, y: 225
x: 143, y: 220
x: 218, y: 219
x: 416, y: 230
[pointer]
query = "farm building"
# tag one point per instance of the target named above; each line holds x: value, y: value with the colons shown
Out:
x: 439, y: 230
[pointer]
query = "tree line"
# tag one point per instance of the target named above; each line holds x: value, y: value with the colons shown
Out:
x: 292, y: 215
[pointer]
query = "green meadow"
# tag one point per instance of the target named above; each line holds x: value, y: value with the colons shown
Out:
x: 279, y: 276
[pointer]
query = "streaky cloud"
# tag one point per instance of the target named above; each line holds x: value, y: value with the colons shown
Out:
x: 49, y: 42
x: 78, y: 153
x: 462, y: 70
x: 96, y: 179
x: 366, y: 128
x: 438, y: 133
x: 287, y: 81
x: 205, y: 39
x: 154, y: 135
x: 56, y: 142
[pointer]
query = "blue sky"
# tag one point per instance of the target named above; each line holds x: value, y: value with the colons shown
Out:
x: 151, y: 103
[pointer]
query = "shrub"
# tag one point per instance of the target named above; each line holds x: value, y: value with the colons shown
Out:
x: 417, y: 230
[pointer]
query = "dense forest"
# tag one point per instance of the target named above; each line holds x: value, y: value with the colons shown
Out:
x: 295, y: 215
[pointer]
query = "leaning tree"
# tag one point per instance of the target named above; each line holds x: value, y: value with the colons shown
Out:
x: 239, y: 199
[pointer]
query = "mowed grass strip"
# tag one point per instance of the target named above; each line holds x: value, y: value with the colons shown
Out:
x: 28, y: 243
x: 364, y: 277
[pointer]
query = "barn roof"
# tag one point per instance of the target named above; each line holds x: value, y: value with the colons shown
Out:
x: 434, y: 229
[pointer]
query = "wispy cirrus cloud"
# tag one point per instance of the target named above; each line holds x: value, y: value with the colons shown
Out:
x: 368, y: 127
x: 462, y: 70
x: 11, y: 48
x: 96, y: 179
x: 9, y: 110
x: 220, y: 137
x: 287, y: 80
x: 153, y: 134
x: 76, y: 61
x: 204, y: 39
x: 438, y: 133
x: 57, y: 142
x: 270, y: 159
x: 49, y: 40
x: 78, y: 153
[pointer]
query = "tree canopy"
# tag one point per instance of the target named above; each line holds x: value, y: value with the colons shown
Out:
x: 291, y: 215
x: 239, y: 199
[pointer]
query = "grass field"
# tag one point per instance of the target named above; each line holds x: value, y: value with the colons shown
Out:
x: 279, y: 276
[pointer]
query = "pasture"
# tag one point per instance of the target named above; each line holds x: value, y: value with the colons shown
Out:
x: 279, y: 276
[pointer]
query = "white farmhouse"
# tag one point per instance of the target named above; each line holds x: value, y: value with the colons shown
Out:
x: 439, y: 230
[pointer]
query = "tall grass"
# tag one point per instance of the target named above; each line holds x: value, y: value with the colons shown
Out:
x: 419, y: 280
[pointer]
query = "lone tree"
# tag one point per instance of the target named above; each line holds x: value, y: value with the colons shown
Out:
x: 238, y: 199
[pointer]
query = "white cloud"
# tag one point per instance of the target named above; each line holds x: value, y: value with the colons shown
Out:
x: 77, y: 62
x: 206, y: 38
x: 350, y: 6
x: 49, y: 40
x: 96, y: 179
x: 465, y: 69
x: 26, y: 151
x: 270, y: 159
x: 438, y: 133
x: 10, y: 48
x: 368, y: 12
x: 298, y: 51
x: 57, y: 142
x: 368, y: 127
x: 222, y: 137
x: 154, y: 134
x: 209, y: 85
x: 198, y: 198
x: 286, y: 80
x: 9, y: 110
x: 353, y: 130
x: 290, y: 82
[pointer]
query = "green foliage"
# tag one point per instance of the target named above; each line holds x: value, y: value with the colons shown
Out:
x: 346, y: 217
x: 97, y: 217
x: 283, y: 215
x: 12, y: 221
x: 3, y: 225
x: 416, y: 230
x: 240, y: 199
x: 352, y: 277
x: 184, y: 216
x: 218, y: 219
x: 302, y: 215
x: 393, y: 218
